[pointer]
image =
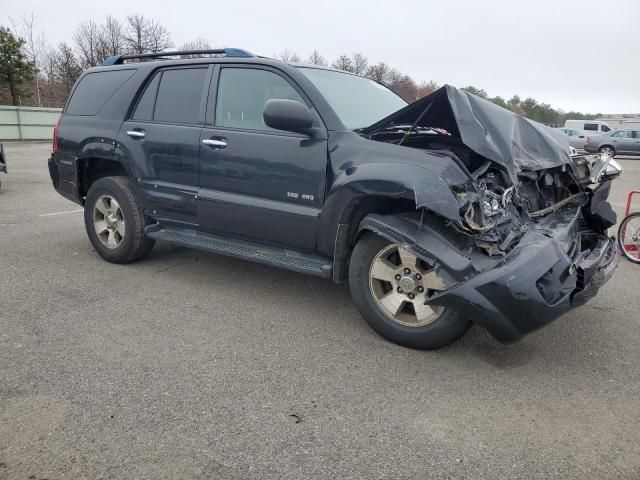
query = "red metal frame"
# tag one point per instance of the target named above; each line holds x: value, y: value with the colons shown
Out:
x: 632, y: 247
x: 631, y: 194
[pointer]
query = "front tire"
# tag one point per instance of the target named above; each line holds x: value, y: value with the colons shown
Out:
x: 115, y: 222
x: 389, y: 286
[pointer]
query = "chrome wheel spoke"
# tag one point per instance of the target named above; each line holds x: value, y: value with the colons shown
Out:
x: 102, y: 206
x: 424, y: 312
x: 407, y: 259
x: 111, y: 239
x: 100, y: 226
x: 431, y: 281
x: 120, y: 229
x: 382, y: 269
x: 393, y: 302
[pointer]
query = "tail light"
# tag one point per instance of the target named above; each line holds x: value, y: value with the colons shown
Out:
x: 54, y: 147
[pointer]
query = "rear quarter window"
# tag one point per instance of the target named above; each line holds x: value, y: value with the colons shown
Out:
x: 591, y: 127
x: 94, y: 91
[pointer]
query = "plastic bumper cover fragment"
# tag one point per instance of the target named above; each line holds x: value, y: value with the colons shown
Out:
x: 534, y: 284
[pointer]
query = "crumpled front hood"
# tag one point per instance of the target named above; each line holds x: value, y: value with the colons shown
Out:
x: 497, y: 134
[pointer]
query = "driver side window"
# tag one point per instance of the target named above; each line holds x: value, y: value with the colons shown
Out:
x: 243, y: 93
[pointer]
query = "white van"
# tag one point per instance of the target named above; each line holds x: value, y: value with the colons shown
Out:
x: 593, y: 127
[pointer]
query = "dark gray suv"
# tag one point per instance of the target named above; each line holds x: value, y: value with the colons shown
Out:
x: 623, y: 142
x: 444, y: 212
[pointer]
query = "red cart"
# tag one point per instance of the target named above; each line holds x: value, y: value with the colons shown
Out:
x: 629, y: 232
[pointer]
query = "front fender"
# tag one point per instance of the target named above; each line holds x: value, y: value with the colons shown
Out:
x: 400, y: 180
x: 453, y: 255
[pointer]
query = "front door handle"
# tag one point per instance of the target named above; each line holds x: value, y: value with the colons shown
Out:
x: 215, y: 142
x: 135, y: 133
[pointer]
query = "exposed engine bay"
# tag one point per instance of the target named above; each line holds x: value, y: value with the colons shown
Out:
x: 517, y: 173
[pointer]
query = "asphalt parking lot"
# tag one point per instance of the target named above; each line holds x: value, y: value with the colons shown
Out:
x: 190, y: 365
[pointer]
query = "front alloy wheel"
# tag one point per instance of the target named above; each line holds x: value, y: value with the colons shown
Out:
x: 400, y: 284
x: 390, y: 286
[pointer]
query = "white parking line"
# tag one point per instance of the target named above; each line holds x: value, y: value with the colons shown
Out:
x: 60, y: 213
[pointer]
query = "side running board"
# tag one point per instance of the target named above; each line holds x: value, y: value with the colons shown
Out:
x: 277, y: 257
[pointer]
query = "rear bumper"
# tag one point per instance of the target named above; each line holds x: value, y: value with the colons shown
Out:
x: 542, y: 278
x: 3, y: 160
x: 64, y: 176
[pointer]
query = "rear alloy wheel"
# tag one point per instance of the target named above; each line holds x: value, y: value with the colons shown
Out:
x: 390, y: 286
x: 115, y: 221
x: 607, y: 150
x: 108, y: 221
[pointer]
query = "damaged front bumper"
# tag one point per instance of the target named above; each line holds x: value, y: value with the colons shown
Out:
x: 542, y: 278
x: 558, y: 264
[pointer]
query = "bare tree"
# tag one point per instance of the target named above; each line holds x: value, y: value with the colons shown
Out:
x: 360, y: 63
x: 425, y: 88
x: 111, y: 37
x: 378, y: 72
x: 34, y: 46
x: 295, y: 58
x: 343, y: 62
x: 199, y: 43
x: 285, y: 55
x: 316, y: 59
x: 65, y: 68
x: 88, y: 41
x: 144, y: 35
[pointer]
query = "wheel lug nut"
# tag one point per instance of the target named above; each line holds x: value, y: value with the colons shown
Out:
x: 411, y: 295
x: 399, y: 290
x: 420, y: 289
x: 398, y: 276
x: 407, y: 271
x: 418, y: 276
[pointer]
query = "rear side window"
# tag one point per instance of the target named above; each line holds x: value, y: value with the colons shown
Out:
x: 94, y: 91
x: 179, y: 96
x: 636, y: 134
x: 144, y: 109
x: 591, y: 126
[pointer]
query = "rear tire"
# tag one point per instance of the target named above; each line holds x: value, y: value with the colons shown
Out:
x: 115, y: 222
x: 607, y: 150
x: 434, y: 329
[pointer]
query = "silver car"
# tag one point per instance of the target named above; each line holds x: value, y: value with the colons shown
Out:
x: 577, y: 138
x: 623, y: 142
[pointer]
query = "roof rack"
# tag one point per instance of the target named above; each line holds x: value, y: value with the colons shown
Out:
x: 229, y: 52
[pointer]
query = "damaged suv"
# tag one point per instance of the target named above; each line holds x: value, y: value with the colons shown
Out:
x: 440, y: 213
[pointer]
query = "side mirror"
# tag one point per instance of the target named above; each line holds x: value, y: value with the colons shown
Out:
x: 287, y: 115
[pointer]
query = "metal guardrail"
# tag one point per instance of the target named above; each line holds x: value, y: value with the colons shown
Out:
x: 27, y: 123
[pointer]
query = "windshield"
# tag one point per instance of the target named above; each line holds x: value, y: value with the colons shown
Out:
x: 358, y: 101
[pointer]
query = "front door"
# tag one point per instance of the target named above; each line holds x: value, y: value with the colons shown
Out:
x: 256, y: 182
x: 162, y: 140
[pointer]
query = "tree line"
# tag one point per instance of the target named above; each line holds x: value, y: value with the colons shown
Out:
x: 33, y: 72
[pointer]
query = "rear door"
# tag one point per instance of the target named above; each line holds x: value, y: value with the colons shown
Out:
x: 623, y: 141
x: 256, y: 182
x: 162, y: 139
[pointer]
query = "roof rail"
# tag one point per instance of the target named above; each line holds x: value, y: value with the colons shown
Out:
x: 229, y: 52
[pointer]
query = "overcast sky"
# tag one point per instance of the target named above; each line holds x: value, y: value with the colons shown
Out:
x: 574, y: 54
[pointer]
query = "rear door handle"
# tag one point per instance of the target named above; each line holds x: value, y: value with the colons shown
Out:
x: 215, y: 142
x: 135, y: 133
